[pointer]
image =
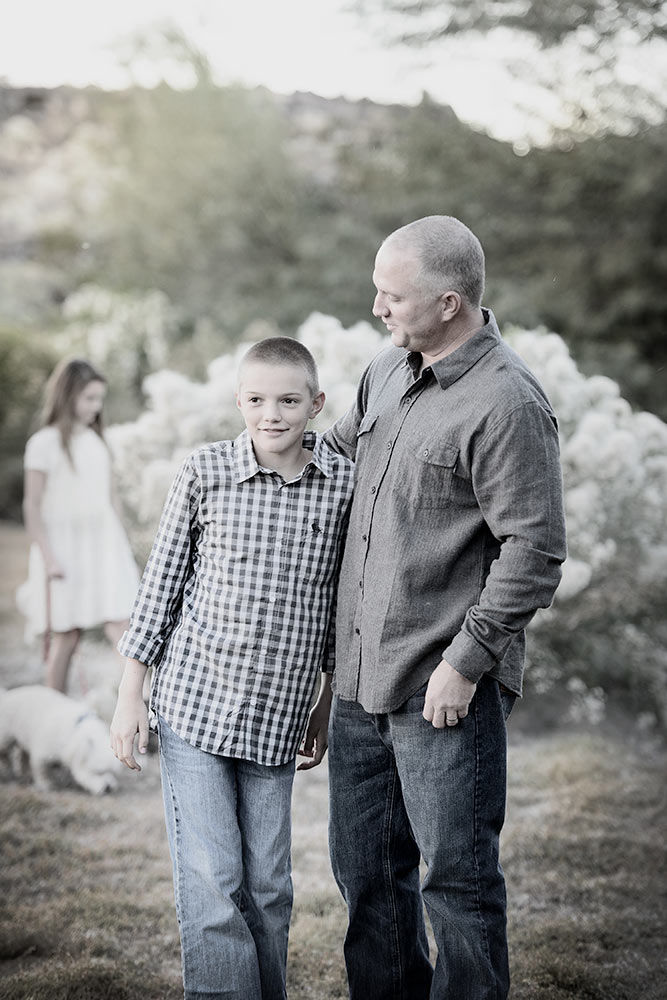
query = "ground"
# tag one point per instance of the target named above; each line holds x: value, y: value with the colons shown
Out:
x: 87, y: 906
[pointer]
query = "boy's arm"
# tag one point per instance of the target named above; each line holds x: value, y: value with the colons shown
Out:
x: 316, y: 739
x: 160, y: 596
x: 131, y: 715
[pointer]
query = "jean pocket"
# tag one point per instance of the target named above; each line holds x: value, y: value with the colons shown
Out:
x: 507, y: 700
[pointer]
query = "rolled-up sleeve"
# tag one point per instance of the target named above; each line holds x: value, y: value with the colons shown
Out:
x: 518, y: 485
x: 170, y: 564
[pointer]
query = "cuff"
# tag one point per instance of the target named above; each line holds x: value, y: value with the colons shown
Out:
x: 468, y: 658
x: 145, y: 650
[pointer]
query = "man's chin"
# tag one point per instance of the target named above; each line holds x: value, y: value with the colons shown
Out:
x: 398, y: 338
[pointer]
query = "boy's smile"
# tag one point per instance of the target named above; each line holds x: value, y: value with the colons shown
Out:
x: 277, y: 402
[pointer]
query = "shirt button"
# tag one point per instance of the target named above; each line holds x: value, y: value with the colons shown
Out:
x: 374, y: 489
x: 361, y: 583
x: 358, y: 631
x: 364, y: 538
x: 426, y: 453
x: 389, y: 443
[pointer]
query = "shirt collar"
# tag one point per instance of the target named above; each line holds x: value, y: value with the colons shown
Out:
x: 456, y: 364
x: 247, y: 465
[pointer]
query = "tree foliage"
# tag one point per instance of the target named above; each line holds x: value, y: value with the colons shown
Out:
x: 238, y: 208
x: 550, y: 22
x: 603, y: 60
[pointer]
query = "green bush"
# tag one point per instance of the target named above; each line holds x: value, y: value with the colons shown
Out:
x: 26, y: 360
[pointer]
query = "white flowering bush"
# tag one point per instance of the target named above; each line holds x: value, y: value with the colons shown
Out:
x: 124, y: 335
x: 182, y: 414
x: 606, y: 628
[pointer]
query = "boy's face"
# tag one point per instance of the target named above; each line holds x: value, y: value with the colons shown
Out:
x: 276, y: 403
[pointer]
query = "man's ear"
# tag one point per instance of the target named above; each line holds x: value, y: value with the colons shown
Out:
x: 450, y: 304
x: 318, y: 403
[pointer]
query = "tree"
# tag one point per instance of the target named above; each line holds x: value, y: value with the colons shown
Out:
x: 604, y: 59
x: 551, y: 22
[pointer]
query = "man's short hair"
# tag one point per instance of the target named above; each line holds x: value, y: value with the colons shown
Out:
x: 450, y: 255
x: 284, y: 351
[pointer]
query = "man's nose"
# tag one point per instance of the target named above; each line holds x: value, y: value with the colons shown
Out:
x: 379, y: 305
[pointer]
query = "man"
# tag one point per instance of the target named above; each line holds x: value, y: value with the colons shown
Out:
x: 456, y: 537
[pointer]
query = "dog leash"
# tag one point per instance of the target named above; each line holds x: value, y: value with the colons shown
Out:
x: 46, y: 641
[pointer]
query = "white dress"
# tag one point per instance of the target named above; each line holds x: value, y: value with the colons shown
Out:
x: 85, y: 533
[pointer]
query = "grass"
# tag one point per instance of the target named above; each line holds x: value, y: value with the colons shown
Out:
x: 86, y: 900
x: 584, y: 855
x: 87, y: 909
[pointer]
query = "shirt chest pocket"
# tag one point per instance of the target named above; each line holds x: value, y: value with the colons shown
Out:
x: 428, y: 484
x: 365, y: 439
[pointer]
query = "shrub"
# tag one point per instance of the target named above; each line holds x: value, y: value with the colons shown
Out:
x: 606, y: 628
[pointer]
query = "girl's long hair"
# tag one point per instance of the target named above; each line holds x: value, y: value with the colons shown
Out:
x: 66, y: 382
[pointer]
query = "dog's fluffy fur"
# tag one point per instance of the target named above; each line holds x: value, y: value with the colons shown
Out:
x: 46, y: 728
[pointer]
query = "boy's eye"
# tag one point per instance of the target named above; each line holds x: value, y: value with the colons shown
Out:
x: 290, y: 400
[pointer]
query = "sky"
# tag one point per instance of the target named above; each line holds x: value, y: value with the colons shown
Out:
x: 286, y: 45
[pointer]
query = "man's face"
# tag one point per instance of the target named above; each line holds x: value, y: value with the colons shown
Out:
x: 411, y: 313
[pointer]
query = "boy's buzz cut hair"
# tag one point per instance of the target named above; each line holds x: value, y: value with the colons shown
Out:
x: 284, y: 351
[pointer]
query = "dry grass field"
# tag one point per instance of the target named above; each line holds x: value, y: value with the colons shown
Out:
x: 86, y: 908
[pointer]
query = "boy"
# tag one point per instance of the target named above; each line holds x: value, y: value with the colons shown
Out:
x: 235, y: 615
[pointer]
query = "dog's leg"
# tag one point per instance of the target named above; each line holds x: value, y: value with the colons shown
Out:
x: 19, y: 763
x: 40, y: 774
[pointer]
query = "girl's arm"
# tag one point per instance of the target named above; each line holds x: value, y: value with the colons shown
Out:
x: 33, y: 493
x: 131, y: 715
x: 115, y: 499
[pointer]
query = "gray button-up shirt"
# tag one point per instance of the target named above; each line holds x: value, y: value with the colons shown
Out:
x: 457, y: 529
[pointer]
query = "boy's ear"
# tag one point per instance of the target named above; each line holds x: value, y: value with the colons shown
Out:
x: 318, y: 403
x: 238, y: 401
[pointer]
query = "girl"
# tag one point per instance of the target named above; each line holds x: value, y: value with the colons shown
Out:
x: 81, y: 570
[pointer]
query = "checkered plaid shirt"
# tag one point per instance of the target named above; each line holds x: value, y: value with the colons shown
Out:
x: 235, y: 610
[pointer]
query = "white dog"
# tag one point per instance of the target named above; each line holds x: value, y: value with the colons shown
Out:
x: 48, y: 728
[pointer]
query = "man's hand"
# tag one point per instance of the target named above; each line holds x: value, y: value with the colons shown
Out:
x: 448, y: 696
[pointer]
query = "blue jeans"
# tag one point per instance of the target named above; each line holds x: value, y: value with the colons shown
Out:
x: 401, y: 789
x: 229, y: 830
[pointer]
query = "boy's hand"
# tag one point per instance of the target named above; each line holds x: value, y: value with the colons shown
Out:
x: 130, y: 718
x: 316, y: 740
